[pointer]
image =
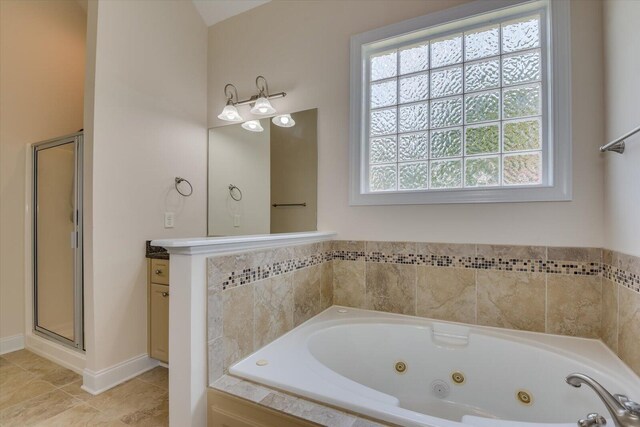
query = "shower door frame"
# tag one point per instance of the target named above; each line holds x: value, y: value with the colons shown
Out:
x: 78, y: 293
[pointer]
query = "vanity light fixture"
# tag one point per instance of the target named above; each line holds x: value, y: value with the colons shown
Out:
x: 262, y: 107
x: 230, y: 112
x: 260, y: 101
x: 253, y: 126
x: 284, y: 120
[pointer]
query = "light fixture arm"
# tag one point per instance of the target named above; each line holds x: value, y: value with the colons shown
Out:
x: 254, y: 98
x: 264, y: 89
x: 231, y: 95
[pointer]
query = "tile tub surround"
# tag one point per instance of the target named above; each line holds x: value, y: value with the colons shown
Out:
x: 255, y: 297
x: 620, y: 327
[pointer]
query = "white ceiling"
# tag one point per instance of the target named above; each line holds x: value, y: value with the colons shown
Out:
x: 214, y: 11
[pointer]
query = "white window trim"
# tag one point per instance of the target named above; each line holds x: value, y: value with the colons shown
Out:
x: 558, y: 112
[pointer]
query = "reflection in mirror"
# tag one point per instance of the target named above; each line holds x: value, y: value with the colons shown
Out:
x: 263, y: 182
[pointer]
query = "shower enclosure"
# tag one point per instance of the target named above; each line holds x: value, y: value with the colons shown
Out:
x: 57, y: 240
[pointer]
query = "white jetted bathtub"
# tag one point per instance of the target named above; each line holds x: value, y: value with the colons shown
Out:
x: 454, y: 374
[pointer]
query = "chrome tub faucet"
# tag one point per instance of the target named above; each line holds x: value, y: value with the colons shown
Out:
x: 625, y: 412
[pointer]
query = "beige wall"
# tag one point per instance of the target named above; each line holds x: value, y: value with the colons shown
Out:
x: 42, y: 55
x: 303, y: 48
x: 622, y: 173
x: 149, y: 126
x: 241, y: 158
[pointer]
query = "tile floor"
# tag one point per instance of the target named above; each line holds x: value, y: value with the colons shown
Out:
x: 37, y: 392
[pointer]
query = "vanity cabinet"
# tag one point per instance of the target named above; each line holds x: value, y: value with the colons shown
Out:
x: 158, y: 309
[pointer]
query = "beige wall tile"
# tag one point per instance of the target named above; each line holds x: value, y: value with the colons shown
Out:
x: 348, y: 245
x: 609, y: 317
x: 391, y: 248
x: 628, y: 263
x: 215, y: 359
x: 391, y: 287
x: 574, y: 254
x: 511, y: 300
x: 512, y: 252
x: 450, y: 249
x: 306, y: 293
x: 447, y: 294
x: 218, y: 270
x: 302, y: 251
x: 237, y: 322
x: 607, y: 256
x: 574, y: 305
x: 629, y: 328
x: 326, y: 285
x: 349, y: 283
x: 214, y: 313
x: 273, y: 309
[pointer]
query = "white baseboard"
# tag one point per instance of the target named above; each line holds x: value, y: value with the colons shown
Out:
x: 12, y: 343
x: 95, y: 382
x: 57, y: 353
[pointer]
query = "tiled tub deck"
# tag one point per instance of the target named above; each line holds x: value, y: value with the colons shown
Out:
x: 255, y: 297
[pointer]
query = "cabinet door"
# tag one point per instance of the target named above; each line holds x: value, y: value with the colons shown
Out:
x: 159, y: 318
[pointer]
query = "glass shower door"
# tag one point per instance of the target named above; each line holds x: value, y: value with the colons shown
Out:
x: 57, y: 226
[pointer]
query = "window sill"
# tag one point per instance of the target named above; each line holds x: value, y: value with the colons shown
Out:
x: 488, y: 195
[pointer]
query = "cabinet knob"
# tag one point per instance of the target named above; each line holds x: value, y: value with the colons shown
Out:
x: 158, y: 272
x: 165, y: 294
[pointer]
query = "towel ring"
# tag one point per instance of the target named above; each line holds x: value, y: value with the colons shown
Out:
x: 181, y: 180
x: 236, y: 198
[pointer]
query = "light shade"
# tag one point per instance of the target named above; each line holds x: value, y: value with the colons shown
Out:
x: 253, y: 126
x: 230, y: 114
x: 262, y: 107
x: 283, y: 120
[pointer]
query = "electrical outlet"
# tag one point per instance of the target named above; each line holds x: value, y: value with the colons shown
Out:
x: 168, y: 220
x: 236, y: 221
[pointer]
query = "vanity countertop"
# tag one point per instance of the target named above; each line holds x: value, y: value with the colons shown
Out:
x: 156, y: 252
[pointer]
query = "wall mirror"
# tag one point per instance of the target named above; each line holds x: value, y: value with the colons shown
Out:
x: 263, y: 182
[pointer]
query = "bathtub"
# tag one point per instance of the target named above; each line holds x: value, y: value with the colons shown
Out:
x: 413, y: 371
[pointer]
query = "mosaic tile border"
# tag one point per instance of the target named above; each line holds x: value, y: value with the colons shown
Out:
x: 250, y: 275
x: 621, y: 277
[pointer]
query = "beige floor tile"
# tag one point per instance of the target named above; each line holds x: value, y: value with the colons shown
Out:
x: 13, y: 395
x: 13, y: 376
x: 82, y: 415
x: 158, y: 376
x: 36, y: 365
x: 4, y: 363
x: 35, y: 410
x: 128, y: 398
x: 37, y: 392
x: 75, y: 390
x: 155, y: 416
x: 60, y: 377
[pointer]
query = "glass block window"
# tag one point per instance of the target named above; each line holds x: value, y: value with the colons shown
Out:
x: 457, y: 111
